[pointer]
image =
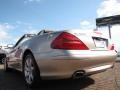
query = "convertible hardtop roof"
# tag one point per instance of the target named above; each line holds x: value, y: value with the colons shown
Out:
x: 45, y: 31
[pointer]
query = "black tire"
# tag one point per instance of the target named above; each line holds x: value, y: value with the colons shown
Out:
x: 31, y: 73
x: 3, y: 60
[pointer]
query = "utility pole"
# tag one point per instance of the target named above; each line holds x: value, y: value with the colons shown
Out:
x: 109, y: 28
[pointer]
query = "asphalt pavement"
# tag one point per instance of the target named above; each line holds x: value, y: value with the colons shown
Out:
x: 107, y: 80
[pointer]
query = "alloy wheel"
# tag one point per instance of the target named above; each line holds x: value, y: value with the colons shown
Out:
x: 28, y: 70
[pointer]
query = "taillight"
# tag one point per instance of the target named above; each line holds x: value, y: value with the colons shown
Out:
x: 68, y: 41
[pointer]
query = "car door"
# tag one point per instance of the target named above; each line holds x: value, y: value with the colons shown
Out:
x: 14, y: 54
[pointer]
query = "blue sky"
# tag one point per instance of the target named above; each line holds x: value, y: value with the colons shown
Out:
x: 18, y: 17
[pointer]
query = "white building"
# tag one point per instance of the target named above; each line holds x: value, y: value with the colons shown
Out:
x: 110, y: 26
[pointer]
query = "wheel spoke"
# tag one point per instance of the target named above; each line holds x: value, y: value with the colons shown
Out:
x: 27, y: 62
x: 26, y: 73
x: 32, y: 68
x: 31, y: 76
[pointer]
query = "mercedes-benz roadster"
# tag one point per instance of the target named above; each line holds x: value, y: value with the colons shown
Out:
x: 60, y: 55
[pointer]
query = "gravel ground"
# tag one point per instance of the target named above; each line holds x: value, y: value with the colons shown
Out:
x: 107, y: 80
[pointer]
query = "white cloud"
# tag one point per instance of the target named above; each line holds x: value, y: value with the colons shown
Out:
x: 9, y: 33
x: 31, y: 30
x: 108, y: 8
x: 5, y: 28
x: 85, y: 24
x: 30, y: 1
x: 18, y: 23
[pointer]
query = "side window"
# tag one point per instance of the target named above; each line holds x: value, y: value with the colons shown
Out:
x: 23, y: 40
x: 20, y: 41
x: 41, y: 32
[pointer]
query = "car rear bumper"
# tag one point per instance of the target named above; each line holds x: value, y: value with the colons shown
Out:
x: 61, y: 67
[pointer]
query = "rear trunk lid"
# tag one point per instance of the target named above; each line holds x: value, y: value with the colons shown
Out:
x: 92, y: 39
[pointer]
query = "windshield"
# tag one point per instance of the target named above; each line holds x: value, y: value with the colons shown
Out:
x: 24, y: 38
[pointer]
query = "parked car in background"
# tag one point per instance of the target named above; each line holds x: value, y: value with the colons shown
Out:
x: 2, y: 55
x: 60, y: 55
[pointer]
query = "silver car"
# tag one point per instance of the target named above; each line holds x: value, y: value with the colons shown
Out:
x: 60, y: 55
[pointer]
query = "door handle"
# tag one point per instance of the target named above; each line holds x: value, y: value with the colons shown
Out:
x: 18, y: 48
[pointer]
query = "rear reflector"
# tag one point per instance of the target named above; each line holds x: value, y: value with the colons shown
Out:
x: 99, y: 33
x: 68, y: 41
x: 112, y: 47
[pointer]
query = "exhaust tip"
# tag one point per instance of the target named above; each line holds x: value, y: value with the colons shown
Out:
x: 79, y: 74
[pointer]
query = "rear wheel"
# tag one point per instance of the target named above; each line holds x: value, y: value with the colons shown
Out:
x: 30, y: 71
x: 3, y: 60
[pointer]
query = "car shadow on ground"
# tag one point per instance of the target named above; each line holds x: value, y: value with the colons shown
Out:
x: 14, y: 81
x: 68, y: 84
